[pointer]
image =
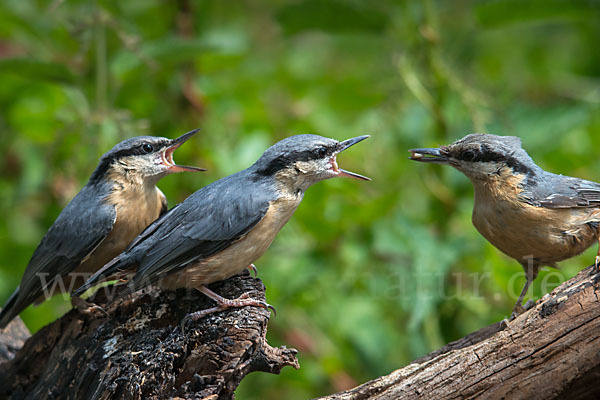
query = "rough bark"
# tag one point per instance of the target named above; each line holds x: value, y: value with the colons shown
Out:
x: 550, y: 352
x: 12, y: 339
x: 137, y: 350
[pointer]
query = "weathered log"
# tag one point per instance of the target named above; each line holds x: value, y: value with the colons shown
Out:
x: 12, y: 339
x: 137, y: 350
x: 551, y: 351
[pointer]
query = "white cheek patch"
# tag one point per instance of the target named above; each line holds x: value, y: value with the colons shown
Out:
x: 303, y: 167
x: 481, y: 168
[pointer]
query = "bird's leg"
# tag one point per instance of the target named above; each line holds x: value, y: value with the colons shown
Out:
x: 252, y: 268
x: 531, y: 272
x: 598, y: 254
x: 224, y: 304
x: 518, y: 307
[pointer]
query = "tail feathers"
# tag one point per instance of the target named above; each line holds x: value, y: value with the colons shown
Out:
x: 111, y: 269
x: 10, y: 309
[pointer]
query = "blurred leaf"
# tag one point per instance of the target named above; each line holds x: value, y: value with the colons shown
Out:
x: 172, y: 50
x: 495, y: 13
x: 35, y: 111
x: 36, y: 70
x: 331, y: 16
x: 168, y: 51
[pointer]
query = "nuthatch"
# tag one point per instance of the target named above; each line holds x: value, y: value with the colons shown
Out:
x: 224, y: 227
x: 536, y: 217
x: 116, y: 204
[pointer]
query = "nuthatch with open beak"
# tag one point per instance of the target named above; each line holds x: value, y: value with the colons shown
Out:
x: 536, y: 217
x: 224, y: 227
x: 115, y: 206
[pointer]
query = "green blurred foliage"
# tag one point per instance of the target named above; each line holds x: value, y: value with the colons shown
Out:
x: 366, y: 276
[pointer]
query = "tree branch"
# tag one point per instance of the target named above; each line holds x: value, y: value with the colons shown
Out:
x: 549, y: 352
x: 138, y: 350
x: 12, y: 339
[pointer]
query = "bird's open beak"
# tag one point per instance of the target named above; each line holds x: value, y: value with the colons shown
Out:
x: 428, y: 155
x: 344, y: 145
x: 167, y: 156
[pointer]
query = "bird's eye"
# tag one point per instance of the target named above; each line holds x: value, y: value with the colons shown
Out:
x: 322, y: 151
x: 147, y: 148
x: 468, y: 155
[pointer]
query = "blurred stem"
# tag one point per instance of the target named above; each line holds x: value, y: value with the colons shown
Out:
x: 185, y: 28
x: 431, y: 99
x: 101, y: 69
x: 433, y: 331
x: 428, y: 83
x: 414, y: 84
x: 439, y: 81
x: 429, y: 31
x: 446, y: 79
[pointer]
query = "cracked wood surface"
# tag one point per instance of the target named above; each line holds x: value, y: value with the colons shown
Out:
x: 551, y: 351
x: 12, y: 339
x: 139, y: 351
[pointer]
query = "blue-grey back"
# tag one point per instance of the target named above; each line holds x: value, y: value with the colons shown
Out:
x: 78, y: 229
x: 550, y: 190
x: 208, y: 221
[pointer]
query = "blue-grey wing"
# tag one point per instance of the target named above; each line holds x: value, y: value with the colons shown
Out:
x: 82, y: 225
x: 205, y: 223
x: 557, y: 191
x: 127, y: 258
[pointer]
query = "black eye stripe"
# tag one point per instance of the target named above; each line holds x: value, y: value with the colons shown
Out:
x: 126, y: 149
x: 288, y: 159
x: 308, y: 155
x: 483, y: 155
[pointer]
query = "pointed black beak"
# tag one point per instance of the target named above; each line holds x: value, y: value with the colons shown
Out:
x: 343, y: 146
x: 183, y: 138
x: 168, y: 153
x: 351, y: 142
x: 429, y: 155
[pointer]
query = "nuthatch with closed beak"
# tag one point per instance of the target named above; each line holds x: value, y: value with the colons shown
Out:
x: 115, y: 206
x: 224, y: 227
x: 536, y: 217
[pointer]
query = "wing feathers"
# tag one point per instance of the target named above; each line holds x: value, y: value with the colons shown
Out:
x: 559, y: 191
